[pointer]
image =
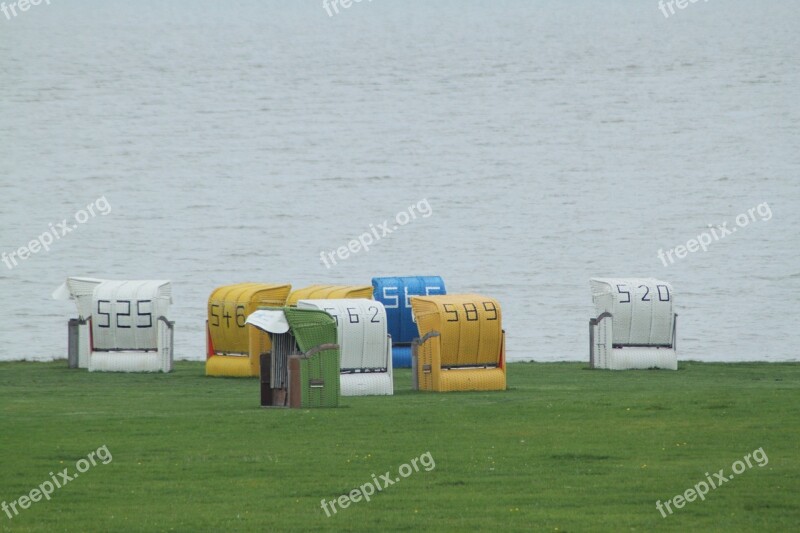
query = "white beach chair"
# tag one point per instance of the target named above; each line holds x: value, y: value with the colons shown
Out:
x: 122, y: 326
x: 635, y: 326
x: 365, y: 345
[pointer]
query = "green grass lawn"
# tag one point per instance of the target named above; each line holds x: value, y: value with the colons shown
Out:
x: 564, y: 449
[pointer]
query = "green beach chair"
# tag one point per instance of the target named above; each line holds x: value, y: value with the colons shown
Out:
x: 299, y: 356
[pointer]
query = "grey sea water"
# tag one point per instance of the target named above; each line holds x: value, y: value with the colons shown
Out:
x: 553, y: 141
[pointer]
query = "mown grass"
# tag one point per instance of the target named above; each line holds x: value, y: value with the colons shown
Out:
x: 564, y: 449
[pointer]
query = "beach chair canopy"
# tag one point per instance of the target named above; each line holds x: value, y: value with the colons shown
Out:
x: 395, y: 294
x: 228, y: 309
x: 81, y: 290
x: 470, y: 327
x: 125, y: 314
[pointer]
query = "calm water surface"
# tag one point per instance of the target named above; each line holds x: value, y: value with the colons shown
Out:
x: 553, y: 141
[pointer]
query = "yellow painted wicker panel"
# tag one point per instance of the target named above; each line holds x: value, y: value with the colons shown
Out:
x: 467, y: 379
x: 229, y: 306
x: 327, y: 292
x: 470, y: 326
x: 432, y: 377
x: 235, y: 366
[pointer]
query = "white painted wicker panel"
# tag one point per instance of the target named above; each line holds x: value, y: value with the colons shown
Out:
x: 159, y: 360
x: 361, y: 330
x: 126, y: 362
x: 372, y: 384
x: 602, y: 343
x: 84, y: 344
x: 642, y: 309
x: 125, y: 314
x: 642, y: 358
x: 80, y: 290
